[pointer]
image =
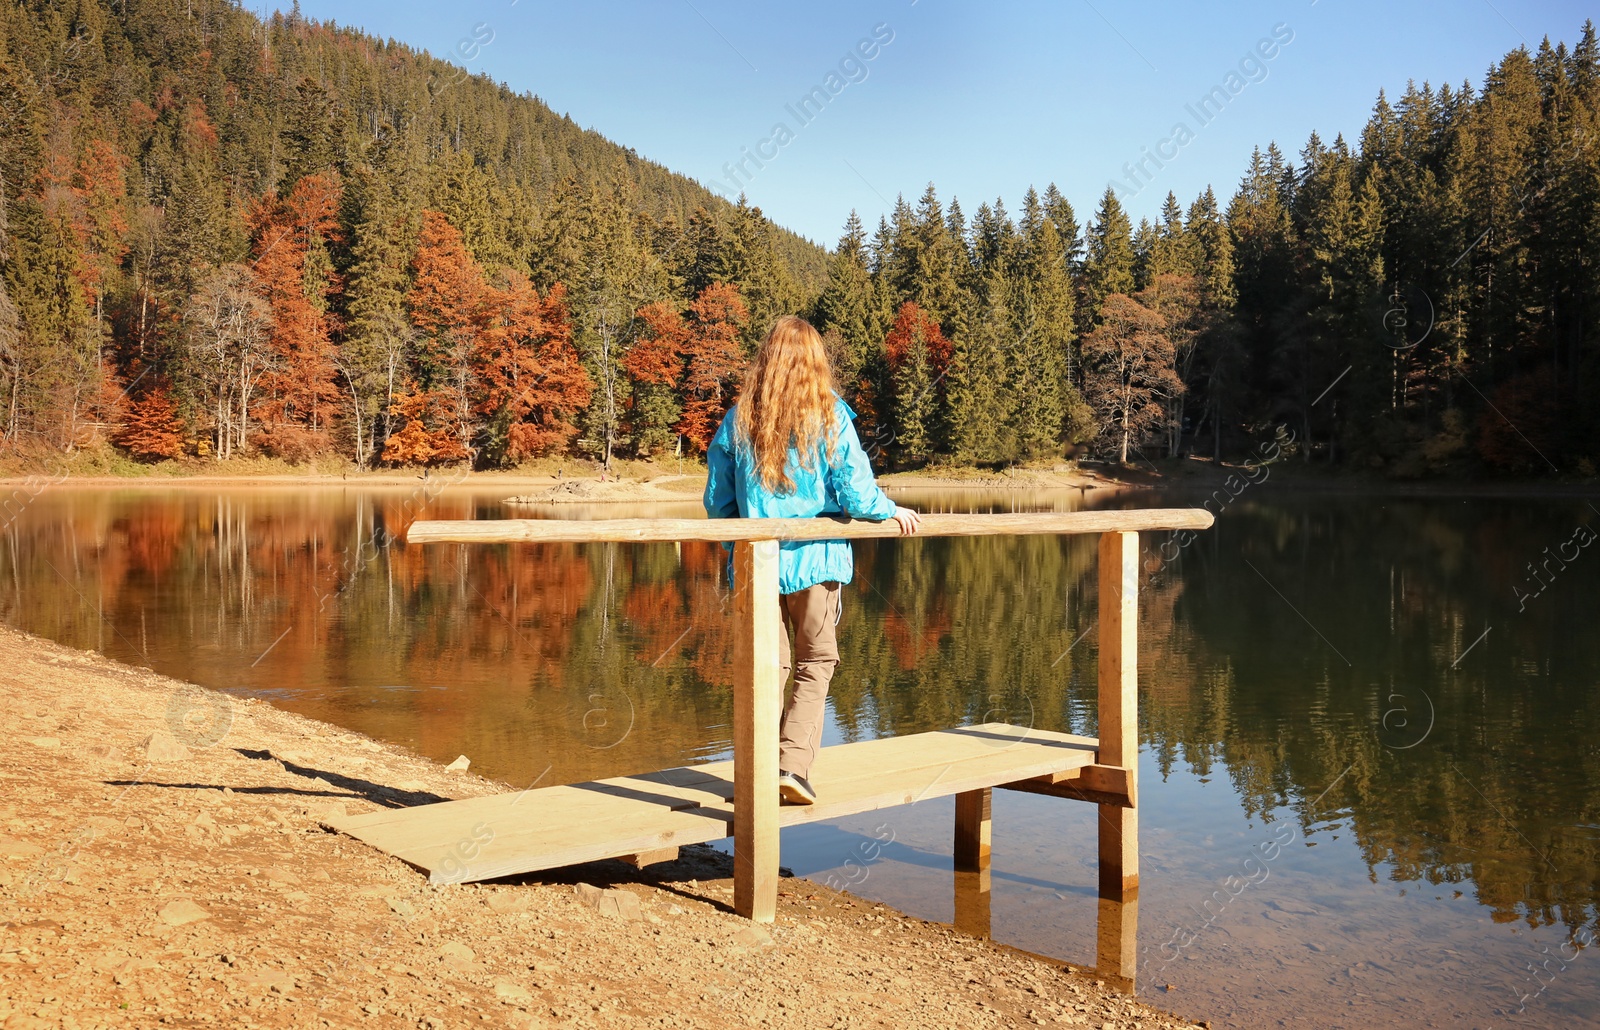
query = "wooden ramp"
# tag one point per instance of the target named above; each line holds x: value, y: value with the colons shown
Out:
x: 649, y: 815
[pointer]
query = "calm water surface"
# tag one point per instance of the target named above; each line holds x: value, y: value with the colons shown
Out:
x: 1370, y: 727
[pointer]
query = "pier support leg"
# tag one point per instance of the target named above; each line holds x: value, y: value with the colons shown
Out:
x: 757, y: 696
x: 972, y: 861
x: 1119, y: 850
x: 972, y: 830
x: 972, y: 902
x: 1117, y: 937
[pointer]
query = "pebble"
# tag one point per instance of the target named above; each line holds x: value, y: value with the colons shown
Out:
x: 160, y: 747
x: 752, y: 938
x: 512, y: 994
x: 616, y: 904
x: 506, y: 902
x: 182, y: 911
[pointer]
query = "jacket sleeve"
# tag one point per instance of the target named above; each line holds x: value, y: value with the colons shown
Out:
x: 719, y: 499
x: 850, y: 475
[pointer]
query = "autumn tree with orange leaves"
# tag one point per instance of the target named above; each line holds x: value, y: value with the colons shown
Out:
x: 654, y: 365
x: 446, y: 303
x: 531, y: 383
x: 495, y: 372
x: 150, y: 428
x: 714, y: 361
x: 299, y: 395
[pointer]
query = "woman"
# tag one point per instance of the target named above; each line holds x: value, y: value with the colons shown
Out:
x: 788, y: 449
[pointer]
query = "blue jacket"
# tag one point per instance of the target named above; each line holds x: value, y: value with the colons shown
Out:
x: 734, y: 490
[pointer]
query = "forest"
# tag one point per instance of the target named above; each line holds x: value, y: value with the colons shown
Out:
x: 224, y: 237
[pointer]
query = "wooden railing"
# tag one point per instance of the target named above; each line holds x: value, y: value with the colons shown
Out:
x: 758, y: 694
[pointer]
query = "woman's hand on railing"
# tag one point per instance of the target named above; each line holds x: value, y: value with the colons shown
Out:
x: 909, y: 520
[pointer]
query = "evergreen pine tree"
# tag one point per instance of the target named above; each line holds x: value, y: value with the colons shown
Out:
x: 1109, y: 267
x: 848, y: 306
x: 980, y: 394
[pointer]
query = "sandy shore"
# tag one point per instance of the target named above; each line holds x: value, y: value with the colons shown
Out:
x: 164, y: 863
x: 580, y: 482
x: 582, y: 485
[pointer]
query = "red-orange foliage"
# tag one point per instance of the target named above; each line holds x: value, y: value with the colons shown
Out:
x: 528, y: 371
x: 912, y: 639
x: 427, y: 433
x: 658, y: 612
x: 502, y: 353
x: 197, y: 128
x: 447, y: 290
x: 301, y: 390
x: 715, y: 360
x: 709, y: 648
x: 447, y: 303
x: 656, y: 357
x: 910, y: 323
x: 140, y: 115
x: 151, y: 429
x: 152, y: 535
x: 654, y: 367
x: 102, y: 222
x: 87, y: 190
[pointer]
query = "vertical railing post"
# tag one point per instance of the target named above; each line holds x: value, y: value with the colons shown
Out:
x: 757, y: 695
x: 1119, y: 706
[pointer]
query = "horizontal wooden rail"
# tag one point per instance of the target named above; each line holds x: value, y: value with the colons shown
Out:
x: 502, y: 531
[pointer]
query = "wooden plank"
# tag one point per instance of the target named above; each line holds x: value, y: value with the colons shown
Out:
x: 887, y: 787
x: 868, y: 775
x: 1119, y: 703
x: 539, y: 840
x: 526, y: 831
x: 757, y: 695
x: 973, y: 830
x: 904, y: 756
x: 673, y: 789
x: 491, y: 531
x: 920, y: 763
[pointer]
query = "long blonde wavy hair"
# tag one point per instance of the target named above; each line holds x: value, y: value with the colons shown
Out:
x: 787, y: 400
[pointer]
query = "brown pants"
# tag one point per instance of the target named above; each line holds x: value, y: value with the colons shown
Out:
x: 811, y: 613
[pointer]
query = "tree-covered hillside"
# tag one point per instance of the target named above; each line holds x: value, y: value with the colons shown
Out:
x: 222, y: 236
x: 217, y: 237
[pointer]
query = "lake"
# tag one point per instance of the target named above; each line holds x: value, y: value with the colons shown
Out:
x: 1369, y: 725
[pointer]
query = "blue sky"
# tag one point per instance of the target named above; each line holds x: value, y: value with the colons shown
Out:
x: 982, y: 100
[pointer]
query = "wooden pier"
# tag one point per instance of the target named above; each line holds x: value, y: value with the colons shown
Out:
x: 645, y: 818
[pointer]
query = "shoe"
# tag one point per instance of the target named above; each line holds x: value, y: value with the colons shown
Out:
x: 795, y: 790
